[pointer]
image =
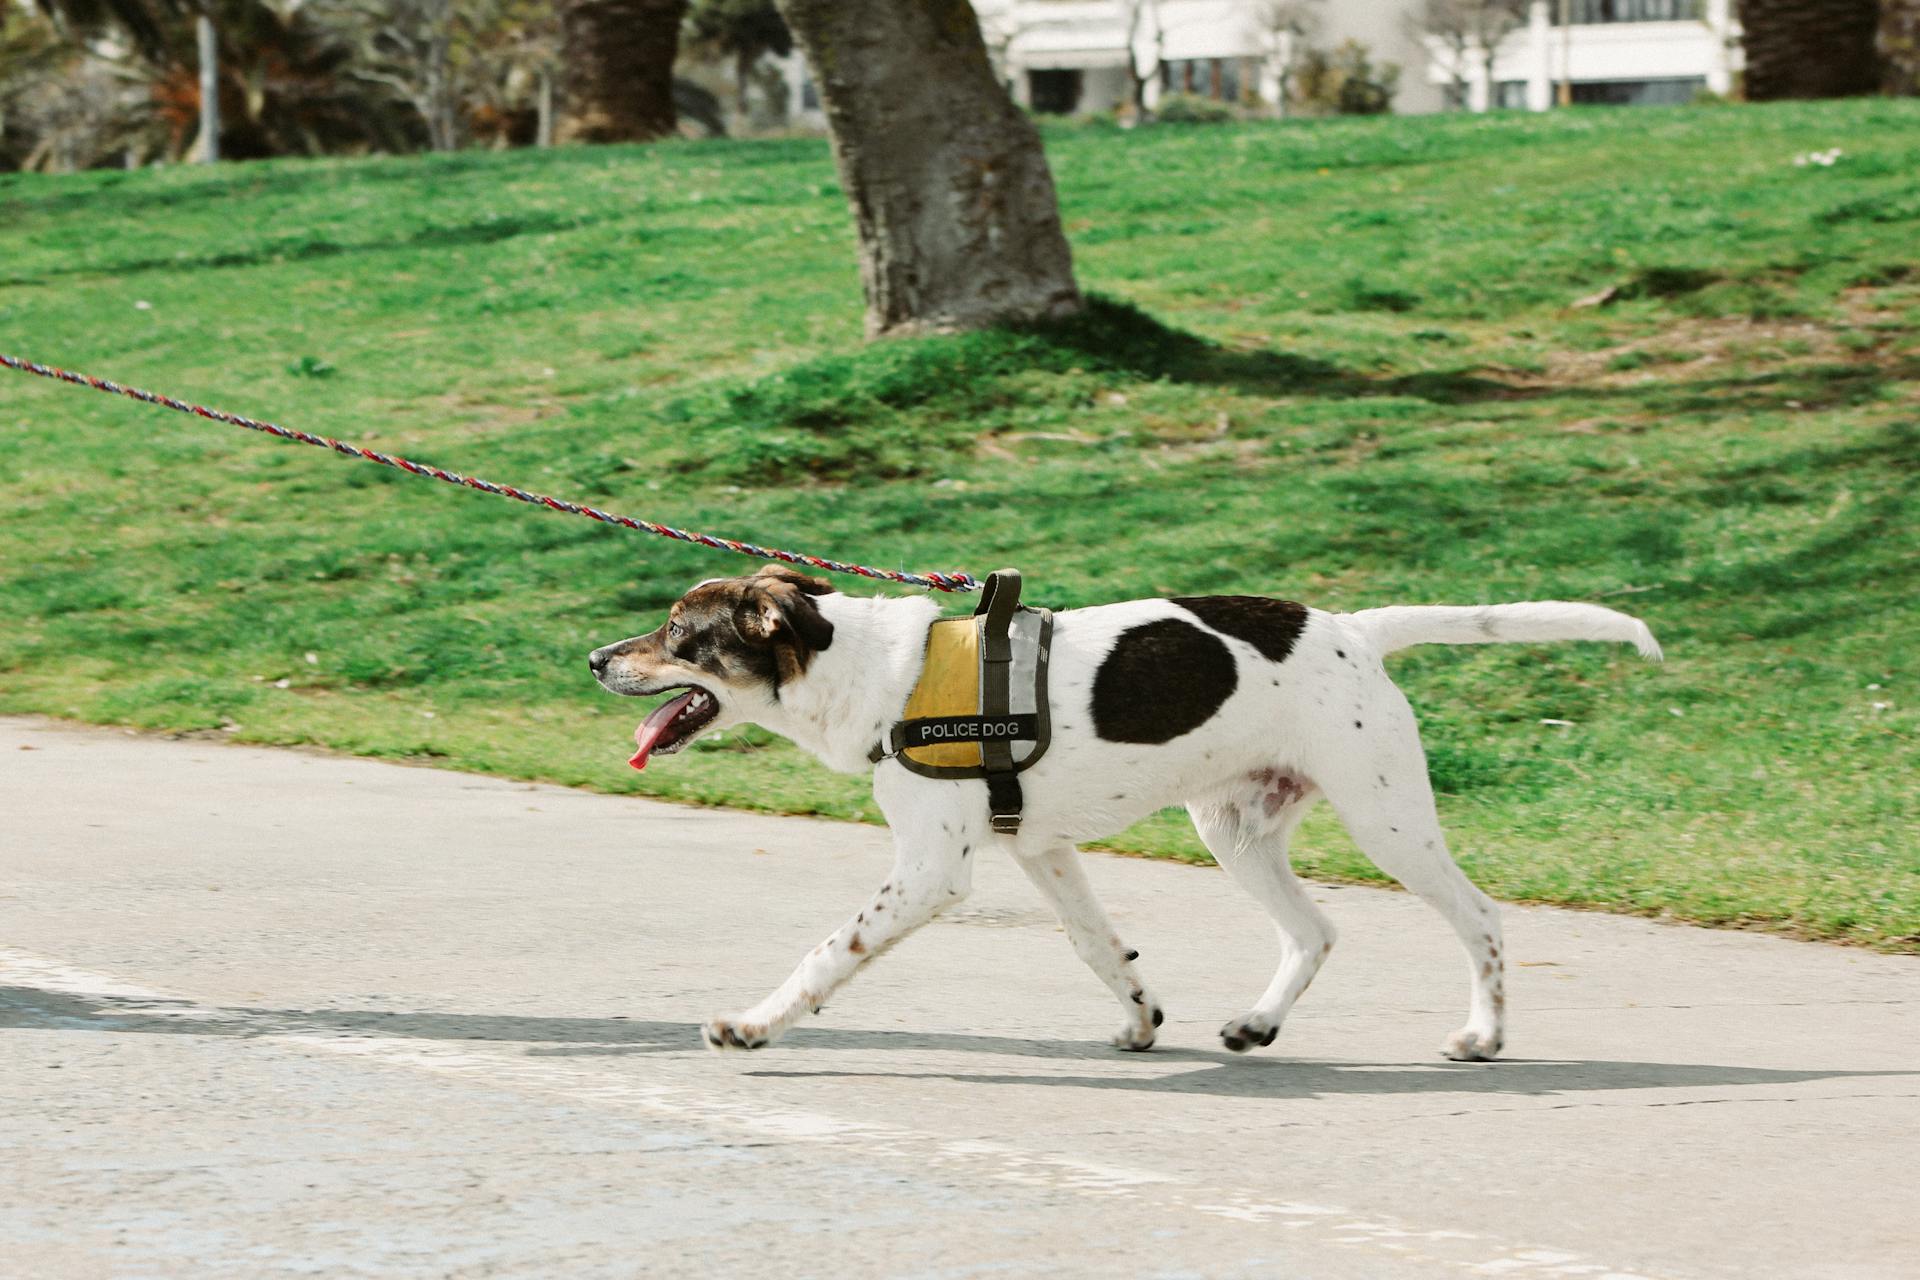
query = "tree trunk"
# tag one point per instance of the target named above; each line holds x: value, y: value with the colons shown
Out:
x: 618, y: 56
x: 1900, y: 45
x: 443, y: 125
x: 209, y: 46
x: 543, y: 110
x: 1810, y: 48
x: 955, y: 207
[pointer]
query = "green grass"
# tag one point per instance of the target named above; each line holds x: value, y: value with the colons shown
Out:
x: 1336, y: 361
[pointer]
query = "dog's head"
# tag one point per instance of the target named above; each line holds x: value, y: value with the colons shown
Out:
x: 729, y: 645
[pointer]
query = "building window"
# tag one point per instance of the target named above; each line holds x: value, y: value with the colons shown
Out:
x: 1510, y: 95
x: 1218, y: 78
x: 1054, y: 91
x: 1593, y: 11
x: 1638, y: 93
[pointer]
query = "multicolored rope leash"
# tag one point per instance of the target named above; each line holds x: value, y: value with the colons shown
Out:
x: 936, y: 581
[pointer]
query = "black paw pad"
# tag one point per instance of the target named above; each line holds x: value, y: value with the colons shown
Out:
x: 1268, y: 1038
x: 1233, y: 1042
x: 1159, y: 1016
x: 1132, y: 956
x: 731, y: 1037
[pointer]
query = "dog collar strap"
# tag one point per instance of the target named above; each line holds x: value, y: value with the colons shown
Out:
x: 979, y: 708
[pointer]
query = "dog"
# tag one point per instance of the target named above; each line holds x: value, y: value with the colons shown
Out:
x: 1245, y: 709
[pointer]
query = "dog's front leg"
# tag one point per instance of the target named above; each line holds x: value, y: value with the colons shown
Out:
x: 926, y: 877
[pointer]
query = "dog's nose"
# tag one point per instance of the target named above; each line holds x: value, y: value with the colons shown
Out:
x: 597, y: 661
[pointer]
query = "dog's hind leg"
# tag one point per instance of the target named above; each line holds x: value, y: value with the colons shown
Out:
x: 928, y: 875
x: 1250, y: 842
x: 1062, y: 880
x: 1379, y: 787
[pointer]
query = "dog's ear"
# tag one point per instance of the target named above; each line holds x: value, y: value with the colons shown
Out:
x: 776, y: 608
x: 807, y: 585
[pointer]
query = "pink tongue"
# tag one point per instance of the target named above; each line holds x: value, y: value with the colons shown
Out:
x: 656, y: 724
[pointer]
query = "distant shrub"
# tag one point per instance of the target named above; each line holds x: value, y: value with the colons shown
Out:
x: 1345, y: 81
x: 1191, y: 108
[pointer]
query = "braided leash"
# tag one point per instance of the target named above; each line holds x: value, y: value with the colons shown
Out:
x: 937, y: 581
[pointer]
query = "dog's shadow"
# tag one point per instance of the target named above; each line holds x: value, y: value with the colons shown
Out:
x: 1165, y: 1070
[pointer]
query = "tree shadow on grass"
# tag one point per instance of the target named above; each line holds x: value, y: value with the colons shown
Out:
x: 958, y: 376
x: 1192, y: 1071
x: 1112, y: 334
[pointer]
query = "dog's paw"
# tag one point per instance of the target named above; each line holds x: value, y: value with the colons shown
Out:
x: 1468, y: 1045
x: 1138, y: 1036
x: 724, y: 1035
x: 1244, y: 1033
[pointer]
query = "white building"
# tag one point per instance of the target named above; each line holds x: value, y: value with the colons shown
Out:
x: 1624, y: 52
x: 1077, y: 56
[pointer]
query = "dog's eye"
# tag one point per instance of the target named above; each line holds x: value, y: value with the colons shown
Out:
x: 676, y: 630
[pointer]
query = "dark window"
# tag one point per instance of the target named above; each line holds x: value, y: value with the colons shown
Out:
x: 1218, y: 78
x: 1053, y: 91
x: 1638, y: 93
x: 1229, y: 80
x: 1590, y: 11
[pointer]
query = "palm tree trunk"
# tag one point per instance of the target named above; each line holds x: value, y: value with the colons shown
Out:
x: 1810, y: 48
x: 618, y: 56
x: 958, y: 222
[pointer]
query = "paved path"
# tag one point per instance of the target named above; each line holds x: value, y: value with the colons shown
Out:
x: 270, y: 1012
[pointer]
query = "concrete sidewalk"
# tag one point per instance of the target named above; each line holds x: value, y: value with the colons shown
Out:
x: 265, y: 1012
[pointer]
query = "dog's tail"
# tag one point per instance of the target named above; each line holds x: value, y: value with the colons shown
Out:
x: 1401, y: 626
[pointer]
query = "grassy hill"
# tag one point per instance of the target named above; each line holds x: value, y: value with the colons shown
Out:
x: 1337, y: 361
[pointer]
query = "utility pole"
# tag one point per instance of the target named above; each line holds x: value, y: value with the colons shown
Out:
x: 209, y: 90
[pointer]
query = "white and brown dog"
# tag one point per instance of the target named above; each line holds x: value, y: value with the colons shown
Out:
x: 1245, y: 709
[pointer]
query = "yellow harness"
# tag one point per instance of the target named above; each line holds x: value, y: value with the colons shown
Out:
x: 949, y: 686
x: 979, y: 708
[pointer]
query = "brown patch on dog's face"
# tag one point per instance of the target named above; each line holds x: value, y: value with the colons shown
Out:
x: 744, y: 637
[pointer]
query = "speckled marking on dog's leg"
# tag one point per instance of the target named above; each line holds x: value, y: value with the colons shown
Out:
x: 923, y: 882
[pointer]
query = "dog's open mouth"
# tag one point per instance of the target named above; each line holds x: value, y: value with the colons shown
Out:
x: 673, y: 724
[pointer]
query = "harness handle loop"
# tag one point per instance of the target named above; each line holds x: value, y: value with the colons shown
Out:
x: 998, y: 599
